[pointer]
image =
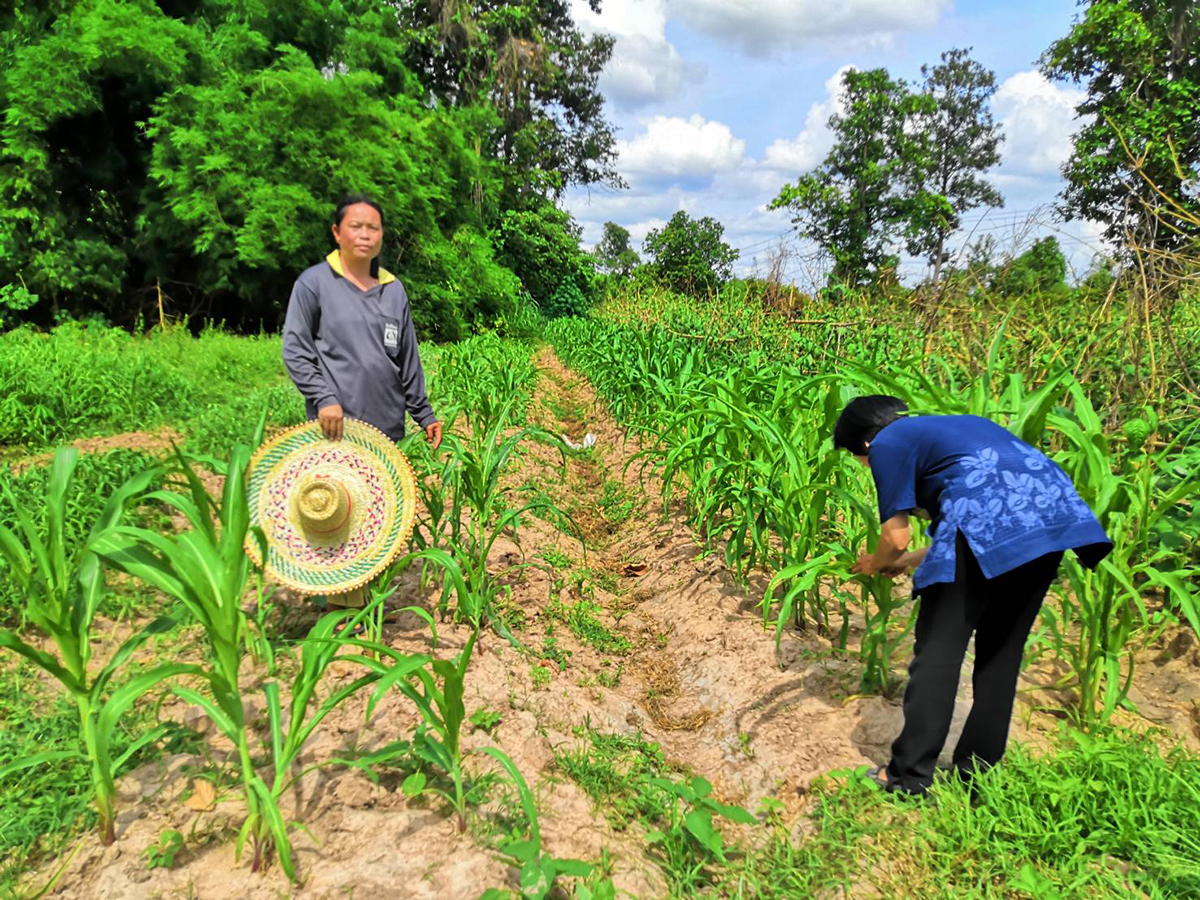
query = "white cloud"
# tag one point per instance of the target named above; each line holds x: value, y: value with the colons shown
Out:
x: 805, y: 151
x: 639, y: 230
x: 760, y: 25
x: 645, y: 67
x: 1038, y: 119
x: 675, y: 148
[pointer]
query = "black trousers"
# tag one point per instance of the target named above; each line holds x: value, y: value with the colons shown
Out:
x: 1000, y: 612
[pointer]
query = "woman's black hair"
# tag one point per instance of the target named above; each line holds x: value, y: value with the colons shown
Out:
x: 863, y: 418
x: 345, y: 203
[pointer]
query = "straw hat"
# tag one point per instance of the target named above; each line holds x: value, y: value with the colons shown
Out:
x: 335, y: 513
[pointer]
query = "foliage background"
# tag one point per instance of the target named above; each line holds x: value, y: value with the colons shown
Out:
x: 184, y: 158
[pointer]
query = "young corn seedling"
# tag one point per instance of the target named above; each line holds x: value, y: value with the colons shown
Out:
x: 323, y: 646
x: 477, y: 515
x: 438, y: 739
x: 539, y: 871
x: 63, y: 589
x: 207, y: 570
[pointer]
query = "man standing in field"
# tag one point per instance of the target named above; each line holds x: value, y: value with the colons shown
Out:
x: 349, y: 342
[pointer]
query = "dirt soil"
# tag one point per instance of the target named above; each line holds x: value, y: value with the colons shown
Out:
x: 155, y: 443
x: 702, y: 679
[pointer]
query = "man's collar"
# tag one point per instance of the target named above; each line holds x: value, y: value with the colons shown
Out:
x: 335, y: 262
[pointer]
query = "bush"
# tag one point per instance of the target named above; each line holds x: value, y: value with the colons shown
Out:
x: 542, y: 247
x: 476, y: 292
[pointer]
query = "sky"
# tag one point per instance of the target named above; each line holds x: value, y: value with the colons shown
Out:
x: 719, y: 103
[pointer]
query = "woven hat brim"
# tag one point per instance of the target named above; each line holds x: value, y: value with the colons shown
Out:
x: 382, y: 455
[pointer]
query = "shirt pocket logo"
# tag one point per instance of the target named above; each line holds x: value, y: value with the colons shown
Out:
x: 391, y: 334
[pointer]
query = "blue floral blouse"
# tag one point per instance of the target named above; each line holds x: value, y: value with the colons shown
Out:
x: 1009, y: 500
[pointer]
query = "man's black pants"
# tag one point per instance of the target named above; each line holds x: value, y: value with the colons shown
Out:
x: 1000, y: 612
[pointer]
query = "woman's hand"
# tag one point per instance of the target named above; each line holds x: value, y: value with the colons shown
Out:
x: 866, y: 565
x: 433, y: 434
x: 331, y: 418
x: 906, y: 564
x: 894, y: 536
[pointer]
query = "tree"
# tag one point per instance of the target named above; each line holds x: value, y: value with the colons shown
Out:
x: 963, y: 143
x: 1042, y: 269
x: 864, y: 198
x: 689, y: 256
x: 530, y: 61
x: 613, y: 252
x: 1139, y: 64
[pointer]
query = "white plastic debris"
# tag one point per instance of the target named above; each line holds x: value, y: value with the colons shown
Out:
x: 589, y: 440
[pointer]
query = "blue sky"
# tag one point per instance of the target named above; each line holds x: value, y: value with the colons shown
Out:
x: 718, y: 103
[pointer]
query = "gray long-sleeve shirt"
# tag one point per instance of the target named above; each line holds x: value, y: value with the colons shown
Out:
x: 355, y: 348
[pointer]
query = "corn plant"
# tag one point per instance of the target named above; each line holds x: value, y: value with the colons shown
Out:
x: 539, y: 871
x: 438, y: 739
x: 1101, y: 617
x: 487, y: 377
x: 207, y: 570
x: 322, y: 646
x: 469, y: 511
x: 1107, y: 607
x: 63, y: 589
x: 258, y: 641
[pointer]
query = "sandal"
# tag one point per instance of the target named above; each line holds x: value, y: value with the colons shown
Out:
x: 879, y: 775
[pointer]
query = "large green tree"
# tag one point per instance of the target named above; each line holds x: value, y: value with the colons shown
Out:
x: 1040, y: 270
x: 1139, y: 62
x: 532, y: 63
x: 963, y: 143
x: 867, y: 197
x: 689, y: 255
x: 614, y: 253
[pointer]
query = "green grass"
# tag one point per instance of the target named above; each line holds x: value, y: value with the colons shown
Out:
x: 580, y: 618
x: 81, y: 380
x: 616, y: 503
x: 232, y: 420
x: 1109, y: 816
x: 552, y: 651
x: 614, y: 770
x: 556, y: 559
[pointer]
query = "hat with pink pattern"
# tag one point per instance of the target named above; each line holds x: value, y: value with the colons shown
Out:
x: 334, y: 513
